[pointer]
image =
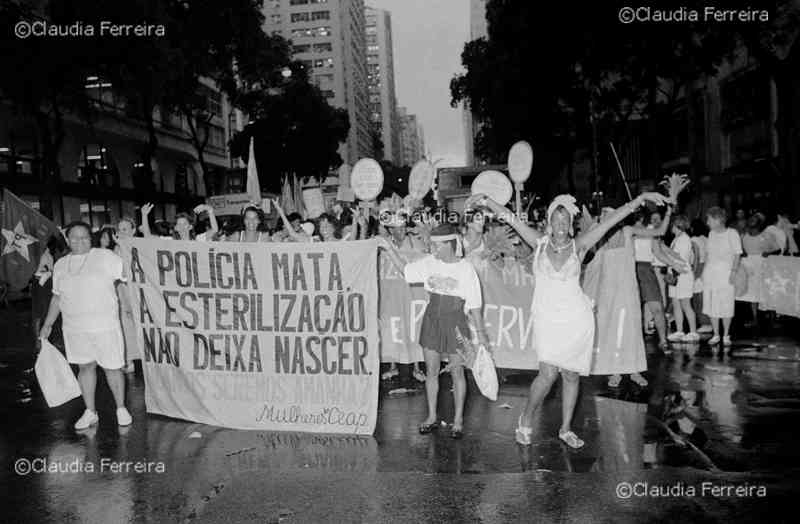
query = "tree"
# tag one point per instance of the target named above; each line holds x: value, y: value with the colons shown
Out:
x: 44, y: 90
x: 589, y: 84
x: 295, y: 131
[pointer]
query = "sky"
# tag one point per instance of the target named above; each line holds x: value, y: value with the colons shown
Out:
x: 428, y: 37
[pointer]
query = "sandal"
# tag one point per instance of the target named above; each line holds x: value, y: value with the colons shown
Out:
x: 523, y: 433
x: 570, y: 439
x: 424, y: 429
x: 456, y: 434
x: 639, y: 379
x: 614, y: 381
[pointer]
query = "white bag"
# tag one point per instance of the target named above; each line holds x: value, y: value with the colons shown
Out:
x: 485, y: 374
x: 56, y: 379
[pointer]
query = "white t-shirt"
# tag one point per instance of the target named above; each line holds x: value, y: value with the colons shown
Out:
x: 85, y: 285
x: 457, y: 279
x: 779, y: 235
x: 682, y: 245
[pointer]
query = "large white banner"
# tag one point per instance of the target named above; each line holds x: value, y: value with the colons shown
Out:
x: 259, y: 336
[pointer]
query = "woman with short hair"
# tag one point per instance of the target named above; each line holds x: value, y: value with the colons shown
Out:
x: 85, y: 295
x: 724, y: 249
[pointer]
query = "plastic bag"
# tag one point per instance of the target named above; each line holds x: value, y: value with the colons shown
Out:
x: 56, y: 379
x: 485, y: 374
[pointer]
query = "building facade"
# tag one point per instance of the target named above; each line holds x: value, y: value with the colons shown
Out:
x: 380, y: 70
x: 328, y: 38
x: 102, y: 174
x: 478, y: 28
x: 412, y: 138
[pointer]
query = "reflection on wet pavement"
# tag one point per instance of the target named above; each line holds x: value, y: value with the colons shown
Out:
x: 703, y: 410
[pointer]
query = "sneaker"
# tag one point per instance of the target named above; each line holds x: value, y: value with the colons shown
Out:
x: 705, y: 329
x: 88, y: 419
x: 714, y: 340
x: 390, y: 374
x: 726, y: 340
x: 691, y: 337
x: 678, y: 336
x: 123, y: 417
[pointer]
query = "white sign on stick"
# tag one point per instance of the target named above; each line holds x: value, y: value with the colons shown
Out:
x: 313, y: 201
x: 366, y: 179
x: 420, y: 181
x: 520, y: 161
x: 493, y: 184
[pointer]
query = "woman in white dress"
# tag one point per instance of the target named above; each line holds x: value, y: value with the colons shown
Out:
x: 724, y: 248
x: 562, y: 314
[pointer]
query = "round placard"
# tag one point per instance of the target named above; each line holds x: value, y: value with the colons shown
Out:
x: 366, y: 179
x: 520, y: 161
x: 493, y: 184
x: 420, y: 180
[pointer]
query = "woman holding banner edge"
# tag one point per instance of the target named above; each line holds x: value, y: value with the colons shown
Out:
x: 562, y: 314
x: 454, y: 289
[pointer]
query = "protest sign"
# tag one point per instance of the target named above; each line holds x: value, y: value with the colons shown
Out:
x: 520, y: 162
x: 366, y: 179
x: 231, y: 204
x: 420, y: 181
x: 277, y: 337
x: 313, y: 201
x: 493, y: 184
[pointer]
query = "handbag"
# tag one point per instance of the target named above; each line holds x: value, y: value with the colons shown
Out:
x: 740, y: 281
x: 671, y: 279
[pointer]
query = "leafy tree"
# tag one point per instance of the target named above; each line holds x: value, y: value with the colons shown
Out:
x: 295, y: 131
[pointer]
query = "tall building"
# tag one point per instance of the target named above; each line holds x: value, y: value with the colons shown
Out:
x: 328, y: 37
x: 380, y: 78
x: 411, y: 138
x: 478, y: 28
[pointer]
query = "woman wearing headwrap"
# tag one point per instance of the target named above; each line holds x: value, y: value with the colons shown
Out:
x: 562, y: 314
x: 454, y: 290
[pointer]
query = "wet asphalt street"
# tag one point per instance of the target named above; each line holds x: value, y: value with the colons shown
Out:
x: 708, y: 424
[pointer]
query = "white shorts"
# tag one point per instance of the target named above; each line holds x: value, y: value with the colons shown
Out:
x: 107, y: 348
x: 684, y: 287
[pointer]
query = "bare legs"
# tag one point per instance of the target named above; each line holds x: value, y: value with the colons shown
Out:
x: 541, y: 387
x: 657, y: 310
x: 681, y: 307
x: 433, y: 361
x: 87, y: 378
x: 570, y: 382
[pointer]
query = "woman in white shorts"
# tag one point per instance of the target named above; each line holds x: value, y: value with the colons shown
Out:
x: 682, y: 291
x: 85, y: 295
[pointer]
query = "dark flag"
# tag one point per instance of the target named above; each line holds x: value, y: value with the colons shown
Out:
x: 24, y: 239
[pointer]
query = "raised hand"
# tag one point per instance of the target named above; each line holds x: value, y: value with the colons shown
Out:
x: 656, y: 198
x: 146, y: 209
x: 675, y: 183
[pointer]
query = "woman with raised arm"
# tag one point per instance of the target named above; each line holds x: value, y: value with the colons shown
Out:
x: 563, y: 321
x: 297, y: 236
x: 184, y: 224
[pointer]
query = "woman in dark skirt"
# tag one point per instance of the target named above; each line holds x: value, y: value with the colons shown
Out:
x: 454, y: 290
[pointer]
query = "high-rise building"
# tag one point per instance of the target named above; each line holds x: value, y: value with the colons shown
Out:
x: 380, y: 79
x: 478, y: 28
x: 411, y: 138
x: 328, y: 37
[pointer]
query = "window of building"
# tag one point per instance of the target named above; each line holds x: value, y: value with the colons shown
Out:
x: 372, y: 30
x: 276, y: 19
x: 323, y: 62
x: 308, y: 65
x: 18, y: 158
x: 375, y: 99
x: 216, y: 136
x: 318, y: 2
x: 372, y: 39
x: 373, y: 48
x: 96, y: 168
x: 320, y: 15
x: 298, y: 2
x: 300, y: 17
x: 322, y: 31
x: 301, y: 33
x: 302, y: 48
x: 323, y: 47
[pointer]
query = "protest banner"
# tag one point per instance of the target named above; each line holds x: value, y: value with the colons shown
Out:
x: 507, y: 295
x: 279, y: 337
x: 780, y: 287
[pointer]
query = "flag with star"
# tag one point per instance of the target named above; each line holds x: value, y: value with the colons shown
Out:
x: 24, y: 237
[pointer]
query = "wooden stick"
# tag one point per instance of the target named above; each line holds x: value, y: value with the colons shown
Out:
x: 621, y: 174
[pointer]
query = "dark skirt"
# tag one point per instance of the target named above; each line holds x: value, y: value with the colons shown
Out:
x: 443, y: 315
x: 649, y: 289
